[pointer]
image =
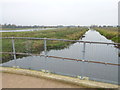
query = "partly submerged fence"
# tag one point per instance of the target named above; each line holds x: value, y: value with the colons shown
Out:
x: 14, y: 53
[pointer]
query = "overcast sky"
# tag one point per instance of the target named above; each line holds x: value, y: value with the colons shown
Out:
x: 59, y: 12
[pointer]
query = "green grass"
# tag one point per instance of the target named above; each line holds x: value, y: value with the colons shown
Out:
x: 36, y: 46
x: 110, y: 33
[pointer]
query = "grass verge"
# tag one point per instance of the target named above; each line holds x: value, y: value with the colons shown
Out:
x: 111, y: 33
x: 36, y: 46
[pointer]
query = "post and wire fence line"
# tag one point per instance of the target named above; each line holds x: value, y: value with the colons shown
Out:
x: 14, y: 53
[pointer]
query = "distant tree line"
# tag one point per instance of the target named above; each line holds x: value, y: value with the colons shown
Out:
x: 21, y: 26
x: 12, y: 26
x: 103, y: 26
x: 37, y: 26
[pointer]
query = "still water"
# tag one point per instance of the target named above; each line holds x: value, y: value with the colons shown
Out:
x: 96, y: 52
x: 25, y: 30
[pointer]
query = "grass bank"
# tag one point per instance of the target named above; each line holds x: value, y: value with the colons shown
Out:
x: 110, y: 33
x: 36, y: 46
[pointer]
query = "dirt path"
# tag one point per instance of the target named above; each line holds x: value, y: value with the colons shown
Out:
x: 21, y: 81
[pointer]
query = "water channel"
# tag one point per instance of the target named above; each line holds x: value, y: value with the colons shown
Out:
x: 25, y: 30
x: 94, y: 52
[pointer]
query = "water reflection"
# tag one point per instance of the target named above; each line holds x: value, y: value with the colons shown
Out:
x: 97, y: 52
x: 25, y: 30
x: 89, y: 51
